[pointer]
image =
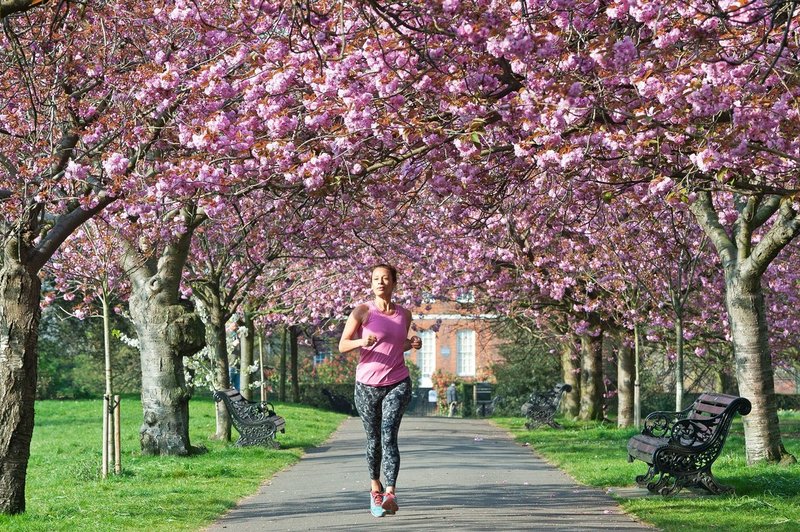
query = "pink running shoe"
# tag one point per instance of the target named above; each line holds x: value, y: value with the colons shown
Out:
x: 375, y: 502
x: 390, y: 503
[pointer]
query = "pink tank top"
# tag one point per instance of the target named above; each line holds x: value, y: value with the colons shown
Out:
x: 383, y: 364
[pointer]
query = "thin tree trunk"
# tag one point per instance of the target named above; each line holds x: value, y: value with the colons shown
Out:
x: 591, y: 378
x: 625, y: 377
x: 748, y: 324
x: 109, y: 413
x: 637, y: 397
x: 295, y: 333
x: 283, y: 365
x: 217, y: 344
x: 19, y: 321
x: 571, y: 368
x: 246, y: 359
x: 678, y: 363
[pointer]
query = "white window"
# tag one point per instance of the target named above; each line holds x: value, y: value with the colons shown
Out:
x: 465, y: 353
x: 426, y: 358
x: 466, y: 297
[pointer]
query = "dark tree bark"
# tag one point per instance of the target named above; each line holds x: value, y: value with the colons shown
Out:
x: 19, y: 321
x: 11, y: 7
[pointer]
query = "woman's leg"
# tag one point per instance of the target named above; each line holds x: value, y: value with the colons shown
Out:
x: 394, y: 405
x: 368, y: 404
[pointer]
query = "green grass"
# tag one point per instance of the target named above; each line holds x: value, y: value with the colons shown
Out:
x: 64, y: 491
x: 767, y: 496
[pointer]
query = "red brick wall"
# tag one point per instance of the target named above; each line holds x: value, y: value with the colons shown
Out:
x: 450, y: 317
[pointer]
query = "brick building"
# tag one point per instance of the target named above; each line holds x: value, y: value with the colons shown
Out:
x: 455, y: 340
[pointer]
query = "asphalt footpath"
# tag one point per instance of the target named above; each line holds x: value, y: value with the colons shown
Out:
x: 455, y: 473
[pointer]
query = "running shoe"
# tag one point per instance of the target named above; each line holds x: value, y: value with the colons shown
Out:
x: 389, y: 503
x: 376, y: 504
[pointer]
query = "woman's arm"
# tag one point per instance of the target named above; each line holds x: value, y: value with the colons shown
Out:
x: 415, y: 341
x: 354, y: 321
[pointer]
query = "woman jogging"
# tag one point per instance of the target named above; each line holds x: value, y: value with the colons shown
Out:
x: 383, y: 386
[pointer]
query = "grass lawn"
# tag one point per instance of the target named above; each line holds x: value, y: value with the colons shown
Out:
x: 64, y: 491
x: 767, y: 496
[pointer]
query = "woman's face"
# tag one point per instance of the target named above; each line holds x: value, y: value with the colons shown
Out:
x: 382, y: 284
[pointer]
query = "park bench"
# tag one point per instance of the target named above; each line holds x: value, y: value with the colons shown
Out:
x: 487, y: 409
x: 339, y: 403
x: 680, y: 447
x: 257, y: 423
x: 541, y: 407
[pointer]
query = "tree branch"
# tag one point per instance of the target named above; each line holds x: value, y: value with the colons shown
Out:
x: 707, y: 217
x: 10, y: 7
x: 64, y: 226
x: 785, y: 228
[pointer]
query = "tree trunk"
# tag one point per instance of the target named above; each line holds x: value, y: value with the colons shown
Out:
x: 19, y: 321
x: 294, y: 334
x: 246, y: 360
x: 167, y: 332
x: 571, y: 368
x: 725, y: 383
x: 678, y: 363
x: 591, y: 378
x: 637, y: 397
x: 625, y: 378
x: 748, y: 324
x: 283, y: 366
x: 217, y: 344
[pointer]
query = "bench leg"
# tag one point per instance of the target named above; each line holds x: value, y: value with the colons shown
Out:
x: 643, y: 480
x: 706, y: 480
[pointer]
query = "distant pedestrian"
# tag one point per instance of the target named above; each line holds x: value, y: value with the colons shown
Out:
x: 383, y: 384
x: 451, y: 395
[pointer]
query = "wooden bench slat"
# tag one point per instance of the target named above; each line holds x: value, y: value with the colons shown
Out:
x: 709, y: 409
x: 717, y: 398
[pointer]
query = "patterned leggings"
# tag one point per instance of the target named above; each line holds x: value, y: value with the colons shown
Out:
x: 381, y: 408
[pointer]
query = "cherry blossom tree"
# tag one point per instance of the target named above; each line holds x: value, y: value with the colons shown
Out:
x: 72, y: 142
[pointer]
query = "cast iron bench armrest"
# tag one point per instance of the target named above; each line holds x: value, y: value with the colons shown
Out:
x: 660, y: 423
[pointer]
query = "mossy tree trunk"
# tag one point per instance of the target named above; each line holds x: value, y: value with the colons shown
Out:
x: 168, y: 330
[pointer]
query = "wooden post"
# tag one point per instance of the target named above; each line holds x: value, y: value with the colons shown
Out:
x: 104, y: 469
x: 117, y: 438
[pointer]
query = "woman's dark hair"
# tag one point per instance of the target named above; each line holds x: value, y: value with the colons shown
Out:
x: 391, y: 269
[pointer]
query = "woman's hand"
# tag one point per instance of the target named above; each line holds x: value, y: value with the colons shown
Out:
x: 370, y: 340
x: 416, y: 342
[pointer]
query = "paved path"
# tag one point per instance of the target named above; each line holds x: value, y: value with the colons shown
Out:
x: 455, y: 473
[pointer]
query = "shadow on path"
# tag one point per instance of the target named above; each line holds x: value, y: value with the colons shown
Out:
x: 464, y: 474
